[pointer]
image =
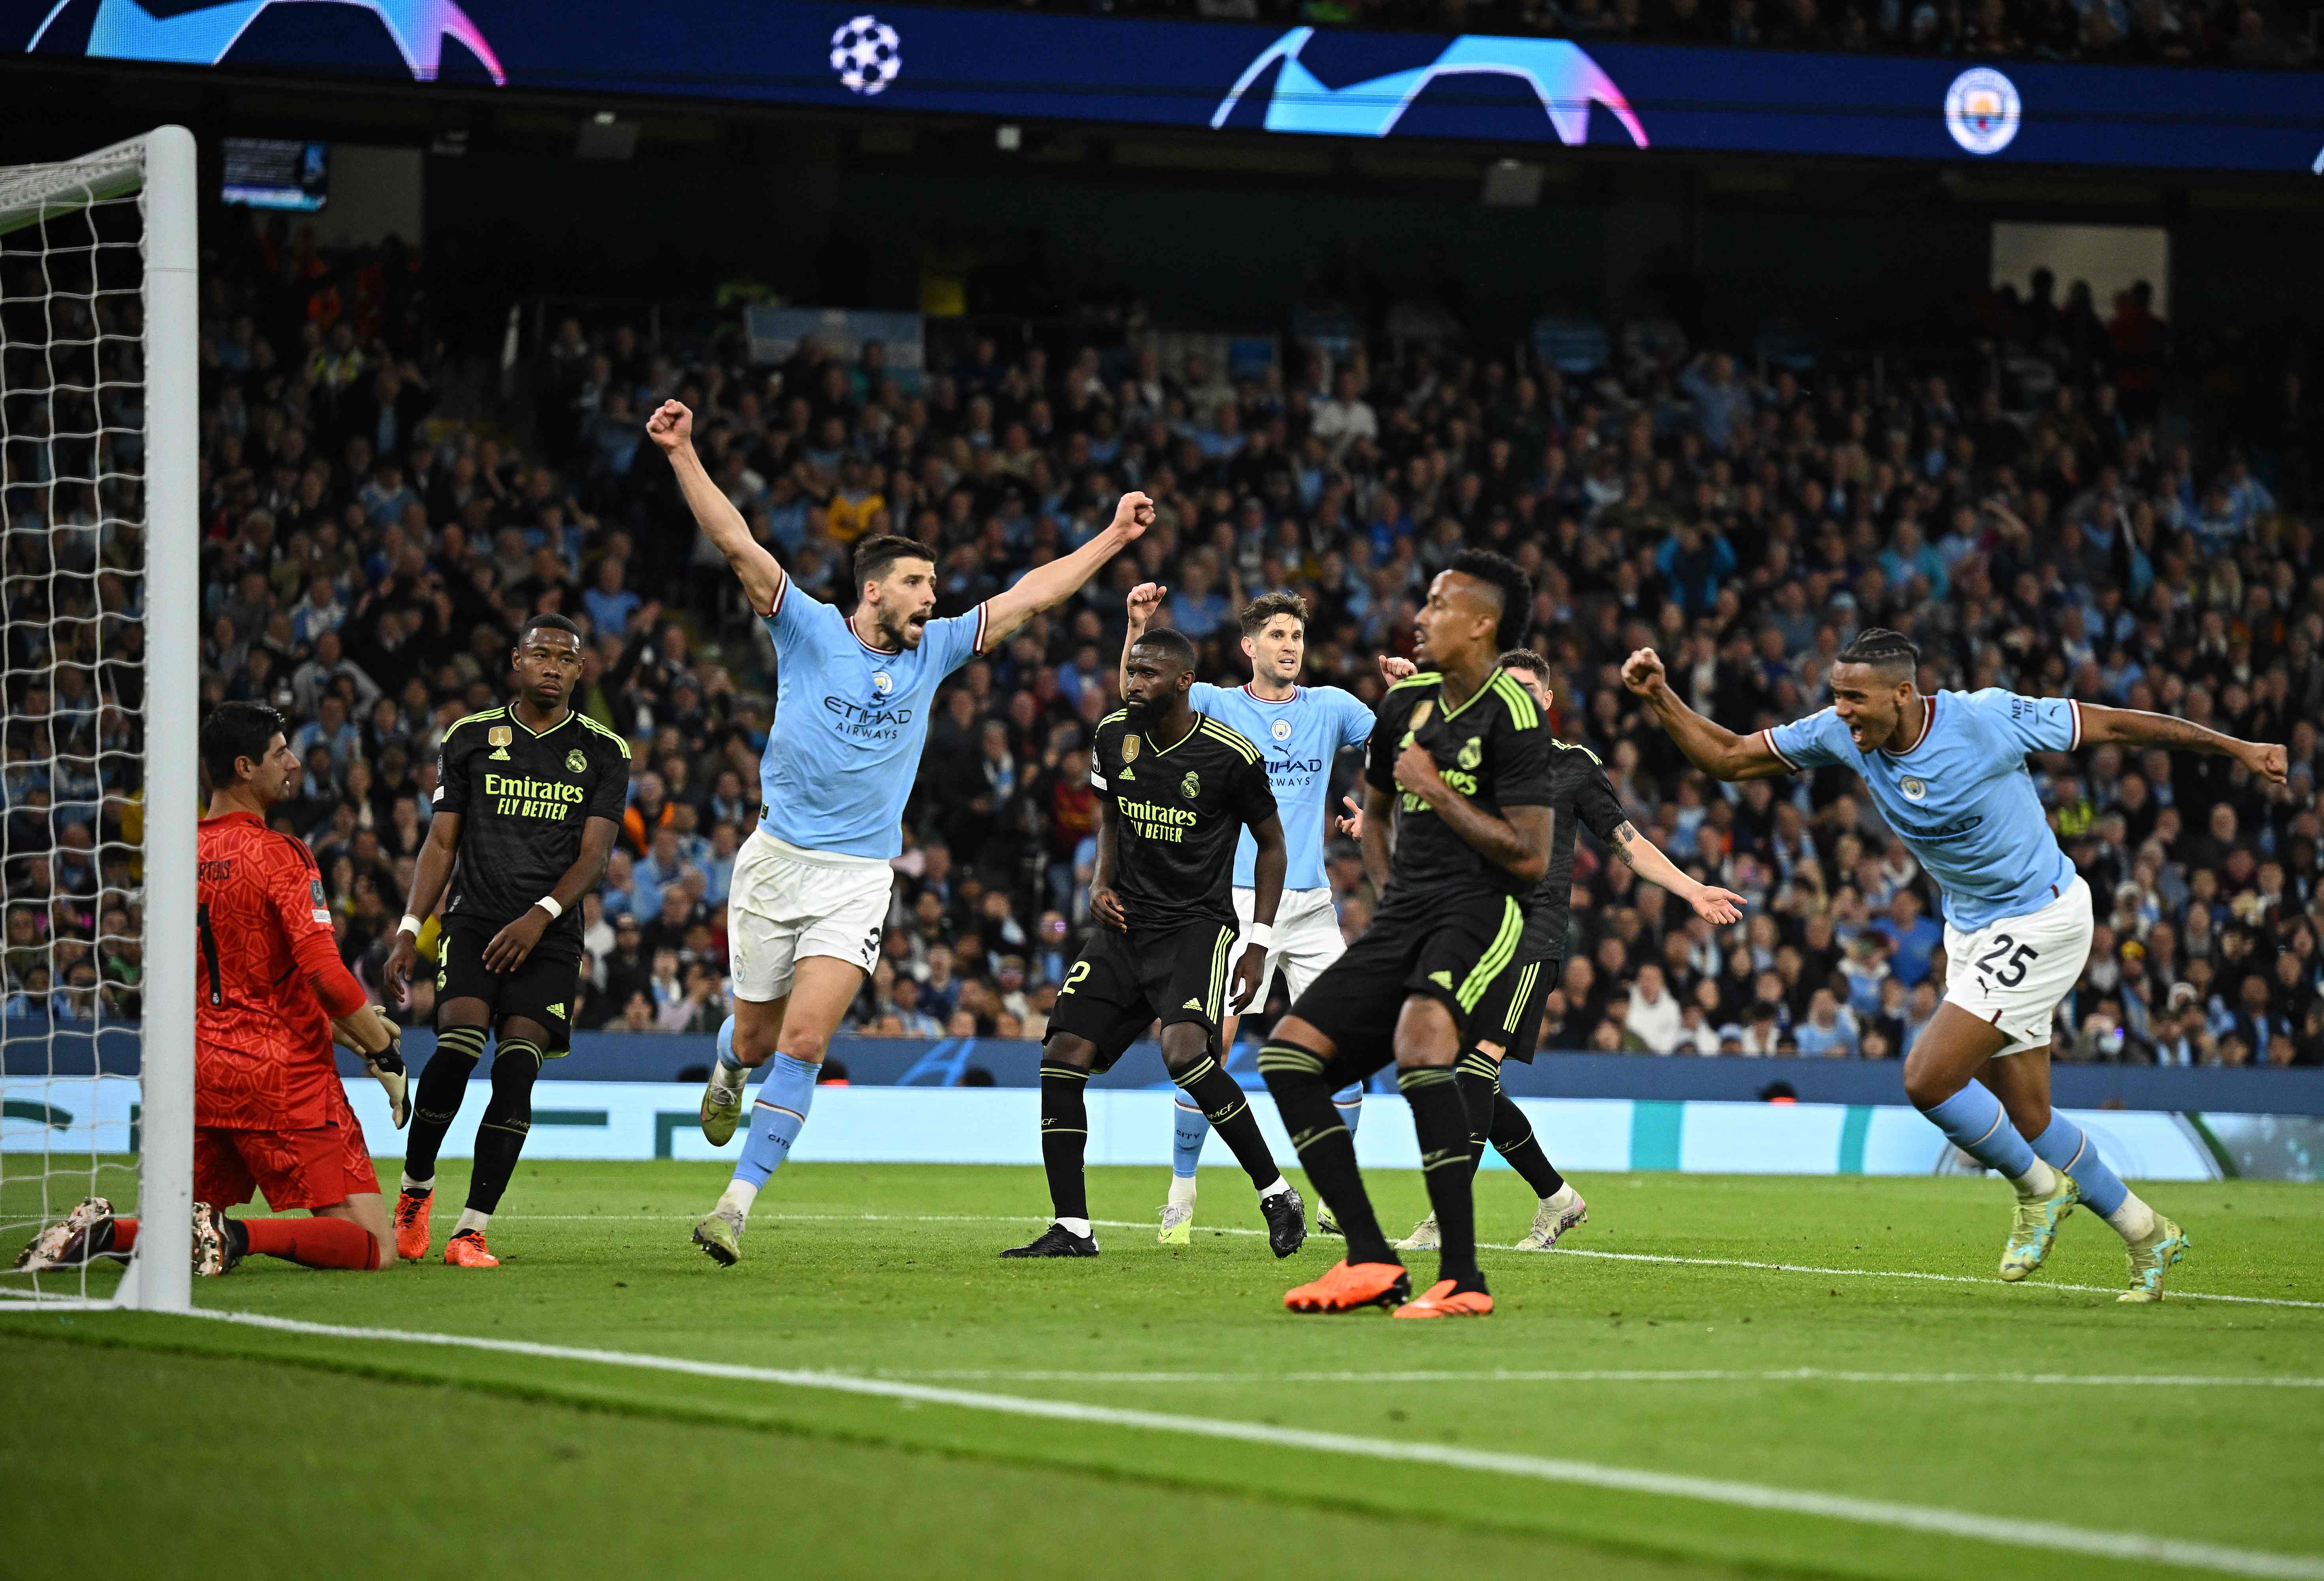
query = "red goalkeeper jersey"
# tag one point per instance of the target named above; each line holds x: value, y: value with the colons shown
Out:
x: 269, y: 981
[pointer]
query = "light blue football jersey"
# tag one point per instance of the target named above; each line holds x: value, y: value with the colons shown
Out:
x: 1961, y: 797
x: 849, y: 722
x: 1300, y: 736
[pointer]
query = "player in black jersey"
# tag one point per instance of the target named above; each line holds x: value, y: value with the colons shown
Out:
x: 1458, y: 773
x: 1176, y: 789
x: 1508, y: 1017
x: 529, y: 798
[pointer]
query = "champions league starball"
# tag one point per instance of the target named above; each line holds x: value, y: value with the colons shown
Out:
x: 864, y: 51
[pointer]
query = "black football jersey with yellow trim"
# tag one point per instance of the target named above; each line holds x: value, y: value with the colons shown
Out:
x: 522, y: 798
x: 1494, y: 748
x: 1178, y: 810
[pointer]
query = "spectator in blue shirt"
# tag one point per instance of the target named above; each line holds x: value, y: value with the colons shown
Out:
x: 1913, y: 939
x: 1722, y: 402
x: 1908, y: 556
x: 610, y: 603
x: 1829, y: 1032
x: 1195, y: 608
x: 1694, y: 560
x: 656, y: 871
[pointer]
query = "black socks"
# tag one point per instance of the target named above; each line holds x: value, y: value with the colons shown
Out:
x: 1440, y: 1121
x: 508, y: 1117
x: 1223, y: 1105
x: 1064, y: 1137
x: 443, y: 1084
x: 1327, y: 1152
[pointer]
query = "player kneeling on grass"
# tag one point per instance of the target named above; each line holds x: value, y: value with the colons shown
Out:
x: 1946, y: 770
x: 272, y: 996
x: 529, y: 797
x: 1175, y: 790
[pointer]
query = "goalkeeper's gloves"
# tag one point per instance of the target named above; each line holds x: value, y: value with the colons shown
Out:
x: 387, y: 1066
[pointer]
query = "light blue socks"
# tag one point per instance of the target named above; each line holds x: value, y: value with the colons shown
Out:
x: 2068, y: 1149
x: 1973, y: 1119
x: 1189, y: 1130
x: 784, y: 1099
x: 1349, y: 1101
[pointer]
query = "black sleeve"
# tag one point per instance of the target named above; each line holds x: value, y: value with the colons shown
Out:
x: 452, y: 773
x: 1104, y: 758
x: 1386, y: 741
x: 610, y: 796
x: 1254, y: 795
x: 1594, y: 799
x: 1522, y: 774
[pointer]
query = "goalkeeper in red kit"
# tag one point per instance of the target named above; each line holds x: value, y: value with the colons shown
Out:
x: 270, y: 998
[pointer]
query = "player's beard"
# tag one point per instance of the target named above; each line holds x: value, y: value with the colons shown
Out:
x: 1139, y: 713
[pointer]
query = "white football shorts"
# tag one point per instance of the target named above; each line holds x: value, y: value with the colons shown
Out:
x: 1306, y: 938
x: 787, y: 904
x: 2013, y: 972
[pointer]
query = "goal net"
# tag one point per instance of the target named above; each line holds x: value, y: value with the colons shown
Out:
x: 99, y: 618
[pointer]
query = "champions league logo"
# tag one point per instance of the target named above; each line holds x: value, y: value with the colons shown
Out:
x: 124, y: 30
x: 1982, y: 110
x: 1564, y: 79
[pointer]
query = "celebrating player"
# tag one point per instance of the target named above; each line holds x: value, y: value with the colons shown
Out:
x: 1508, y: 1017
x: 1298, y: 728
x: 1946, y: 770
x: 811, y: 885
x: 1174, y: 787
x: 270, y: 1113
x: 1462, y: 750
x: 529, y: 798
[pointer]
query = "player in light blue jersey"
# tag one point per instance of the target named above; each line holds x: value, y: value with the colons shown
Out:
x: 1946, y: 770
x: 1301, y: 729
x: 810, y: 895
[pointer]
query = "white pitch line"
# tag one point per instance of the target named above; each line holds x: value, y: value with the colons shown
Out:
x: 2176, y: 1295
x: 2005, y: 1531
x: 1612, y: 1376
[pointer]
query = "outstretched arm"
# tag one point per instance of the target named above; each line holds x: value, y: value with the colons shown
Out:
x: 2136, y: 728
x: 1712, y: 748
x: 1144, y: 600
x: 1711, y: 903
x: 1051, y: 584
x: 672, y: 429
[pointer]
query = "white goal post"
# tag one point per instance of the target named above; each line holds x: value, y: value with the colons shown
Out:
x: 58, y: 222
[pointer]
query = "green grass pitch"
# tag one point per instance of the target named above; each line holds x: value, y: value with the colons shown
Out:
x: 141, y: 1445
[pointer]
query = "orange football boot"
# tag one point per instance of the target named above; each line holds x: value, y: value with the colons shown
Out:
x: 1443, y: 1301
x: 467, y: 1250
x: 1351, y: 1285
x: 412, y: 1224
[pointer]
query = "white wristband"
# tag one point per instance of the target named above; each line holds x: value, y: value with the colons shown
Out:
x: 547, y: 902
x: 409, y: 924
x: 1259, y: 934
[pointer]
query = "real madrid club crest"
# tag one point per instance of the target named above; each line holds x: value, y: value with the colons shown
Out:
x: 882, y: 683
x: 1191, y: 784
x: 575, y: 762
x: 1472, y: 752
x: 1913, y: 787
x: 1280, y: 730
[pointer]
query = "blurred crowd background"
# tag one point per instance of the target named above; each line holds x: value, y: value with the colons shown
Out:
x: 2066, y: 506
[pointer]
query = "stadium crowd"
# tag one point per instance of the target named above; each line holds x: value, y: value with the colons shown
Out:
x: 2212, y: 32
x: 374, y: 533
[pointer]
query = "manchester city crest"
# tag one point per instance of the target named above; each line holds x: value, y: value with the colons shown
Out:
x: 882, y: 683
x: 1913, y: 787
x: 1280, y: 730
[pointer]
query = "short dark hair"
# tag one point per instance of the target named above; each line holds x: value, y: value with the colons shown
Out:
x: 873, y: 556
x: 1257, y: 613
x: 235, y: 730
x: 1526, y: 659
x: 1881, y: 649
x: 1515, y: 588
x: 549, y: 621
x: 1170, y: 640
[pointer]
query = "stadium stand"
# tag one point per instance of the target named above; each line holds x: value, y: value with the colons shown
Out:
x: 2079, y: 505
